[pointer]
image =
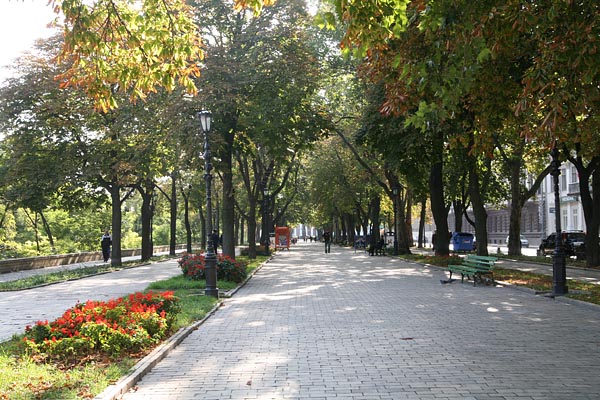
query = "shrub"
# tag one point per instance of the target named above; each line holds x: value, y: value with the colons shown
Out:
x: 128, y: 324
x: 228, y: 269
x: 231, y: 270
x: 260, y: 251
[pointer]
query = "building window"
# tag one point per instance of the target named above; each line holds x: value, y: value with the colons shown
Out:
x: 575, y: 218
x: 563, y: 180
x: 565, y: 218
x: 574, y: 175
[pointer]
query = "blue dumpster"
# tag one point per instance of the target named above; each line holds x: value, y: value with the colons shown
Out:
x: 462, y: 241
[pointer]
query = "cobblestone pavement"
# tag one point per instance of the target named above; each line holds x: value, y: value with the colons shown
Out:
x: 21, y: 308
x: 345, y: 325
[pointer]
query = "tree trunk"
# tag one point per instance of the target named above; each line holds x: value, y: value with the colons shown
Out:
x: 422, y: 223
x: 591, y: 241
x: 458, y: 215
x: 403, y: 237
x: 264, y: 228
x: 116, y: 221
x: 186, y: 221
x: 590, y: 202
x: 34, y: 224
x: 365, y: 229
x: 438, y: 207
x: 236, y: 229
x: 242, y: 226
x: 252, y: 229
x: 203, y: 237
x: 344, y: 229
x: 350, y: 226
x: 478, y: 209
x: 6, y: 208
x: 173, y: 230
x: 337, y: 227
x: 514, y: 229
x: 409, y: 205
x: 228, y: 217
x: 147, y: 212
x: 375, y: 208
x: 48, y: 231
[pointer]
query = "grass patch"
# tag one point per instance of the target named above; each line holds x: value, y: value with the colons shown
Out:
x: 583, y: 291
x: 21, y: 377
x: 440, y: 261
x: 540, y: 259
x: 537, y: 282
x: 194, y: 305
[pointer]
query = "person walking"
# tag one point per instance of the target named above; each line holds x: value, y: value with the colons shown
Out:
x: 327, y: 240
x: 105, y: 243
x: 215, y: 240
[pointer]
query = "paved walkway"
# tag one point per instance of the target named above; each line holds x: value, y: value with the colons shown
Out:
x: 342, y: 325
x: 25, y: 307
x: 11, y: 276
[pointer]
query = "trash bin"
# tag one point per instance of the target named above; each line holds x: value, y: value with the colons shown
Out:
x: 462, y: 241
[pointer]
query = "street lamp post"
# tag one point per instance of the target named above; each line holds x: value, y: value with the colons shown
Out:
x: 395, y: 191
x: 266, y: 219
x: 559, y: 272
x: 210, y: 258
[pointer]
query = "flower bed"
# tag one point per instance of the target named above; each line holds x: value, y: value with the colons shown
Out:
x: 125, y: 325
x: 228, y: 269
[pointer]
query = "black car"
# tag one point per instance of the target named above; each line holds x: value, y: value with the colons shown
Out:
x: 573, y: 242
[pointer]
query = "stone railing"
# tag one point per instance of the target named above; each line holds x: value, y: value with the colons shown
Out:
x: 21, y: 264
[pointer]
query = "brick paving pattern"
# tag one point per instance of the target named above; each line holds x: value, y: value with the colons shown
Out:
x: 345, y: 325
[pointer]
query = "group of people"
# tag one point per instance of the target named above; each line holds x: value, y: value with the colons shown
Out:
x: 106, y: 243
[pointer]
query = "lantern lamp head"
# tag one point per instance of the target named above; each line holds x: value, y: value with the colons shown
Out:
x: 205, y: 117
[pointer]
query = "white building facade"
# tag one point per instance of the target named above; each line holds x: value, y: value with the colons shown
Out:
x: 571, y: 210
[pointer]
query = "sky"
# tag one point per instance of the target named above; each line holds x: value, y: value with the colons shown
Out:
x: 21, y: 23
x: 24, y: 21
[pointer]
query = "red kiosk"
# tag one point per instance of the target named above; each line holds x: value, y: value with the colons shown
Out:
x: 282, y: 237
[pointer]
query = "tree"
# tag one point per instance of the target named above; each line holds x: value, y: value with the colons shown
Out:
x: 137, y: 46
x: 44, y: 135
x: 560, y: 91
x: 259, y: 79
x: 429, y: 57
x: 339, y: 187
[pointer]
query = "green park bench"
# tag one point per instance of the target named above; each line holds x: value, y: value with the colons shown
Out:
x: 478, y: 268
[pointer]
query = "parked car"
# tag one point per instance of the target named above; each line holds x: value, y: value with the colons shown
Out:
x: 573, y: 243
x: 524, y: 241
